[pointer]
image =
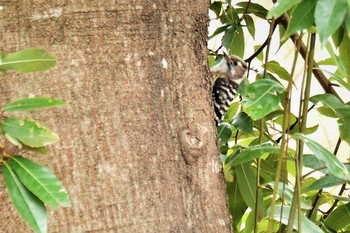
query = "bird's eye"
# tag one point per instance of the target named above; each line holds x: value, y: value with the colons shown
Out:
x: 235, y: 63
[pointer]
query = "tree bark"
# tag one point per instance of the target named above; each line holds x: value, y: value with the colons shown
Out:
x: 138, y: 149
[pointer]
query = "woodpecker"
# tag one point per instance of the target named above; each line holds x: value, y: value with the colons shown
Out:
x: 225, y: 78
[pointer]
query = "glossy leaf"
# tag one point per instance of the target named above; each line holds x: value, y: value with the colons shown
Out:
x: 335, y: 167
x: 339, y: 219
x: 247, y: 185
x: 29, y: 132
x: 29, y: 104
x: 252, y: 153
x: 281, y: 214
x: 329, y: 15
x: 302, y: 17
x: 30, y: 208
x: 259, y: 99
x: 243, y: 122
x: 40, y: 181
x: 281, y: 7
x: 28, y: 60
x: 340, y: 109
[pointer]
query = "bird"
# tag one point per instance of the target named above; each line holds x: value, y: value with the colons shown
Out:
x: 225, y: 78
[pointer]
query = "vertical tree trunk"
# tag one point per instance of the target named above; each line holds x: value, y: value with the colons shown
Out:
x: 138, y: 148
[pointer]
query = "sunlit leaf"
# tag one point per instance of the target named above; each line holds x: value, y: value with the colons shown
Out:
x: 29, y: 104
x: 29, y: 132
x: 302, y: 17
x: 329, y: 15
x: 243, y: 122
x: 339, y: 218
x: 40, y: 181
x: 28, y: 60
x: 340, y: 109
x: 335, y: 167
x: 259, y: 98
x: 29, y: 207
x: 281, y: 7
x: 252, y: 153
x: 281, y: 214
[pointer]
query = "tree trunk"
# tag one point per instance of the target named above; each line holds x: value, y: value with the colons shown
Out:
x: 138, y: 148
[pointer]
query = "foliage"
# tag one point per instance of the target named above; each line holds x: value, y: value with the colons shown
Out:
x: 264, y: 146
x: 29, y: 185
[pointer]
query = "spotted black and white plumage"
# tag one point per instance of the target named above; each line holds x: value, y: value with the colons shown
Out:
x: 225, y: 77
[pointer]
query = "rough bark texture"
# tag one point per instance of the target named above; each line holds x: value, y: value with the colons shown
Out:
x: 138, y: 149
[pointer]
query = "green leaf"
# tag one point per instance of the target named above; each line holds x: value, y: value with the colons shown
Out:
x: 281, y: 7
x: 250, y: 25
x: 231, y: 16
x: 29, y: 132
x: 238, y: 46
x: 302, y: 17
x: 247, y: 185
x: 218, y: 31
x: 306, y: 224
x: 325, y: 182
x: 236, y: 203
x: 216, y: 8
x: 29, y: 104
x: 243, y: 122
x: 340, y: 109
x: 30, y: 208
x: 335, y: 167
x: 229, y: 36
x: 40, y: 181
x: 252, y: 153
x: 28, y: 60
x: 259, y: 99
x: 224, y: 132
x: 339, y: 218
x: 253, y: 8
x: 337, y: 78
x: 344, y: 54
x: 275, y: 67
x: 329, y: 15
x: 286, y: 192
